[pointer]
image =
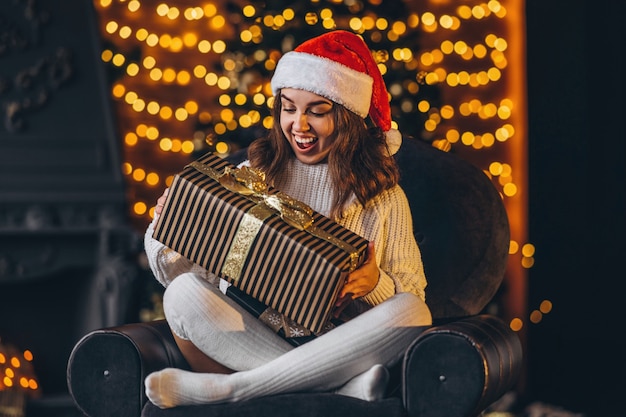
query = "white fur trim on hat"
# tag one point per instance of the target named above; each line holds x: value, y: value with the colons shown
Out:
x: 325, y: 77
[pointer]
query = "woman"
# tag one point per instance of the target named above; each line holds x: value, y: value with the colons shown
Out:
x: 320, y: 151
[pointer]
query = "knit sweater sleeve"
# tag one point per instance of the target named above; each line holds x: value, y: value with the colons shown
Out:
x: 387, y: 221
x: 166, y: 264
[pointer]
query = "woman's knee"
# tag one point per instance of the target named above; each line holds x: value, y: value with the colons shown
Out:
x: 413, y: 308
x: 181, y: 299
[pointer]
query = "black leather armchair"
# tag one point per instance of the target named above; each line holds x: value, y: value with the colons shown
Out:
x: 458, y: 367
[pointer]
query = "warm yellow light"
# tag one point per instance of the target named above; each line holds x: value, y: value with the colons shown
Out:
x: 546, y: 306
x: 140, y: 208
x: 220, y: 128
x: 211, y: 79
x: 428, y: 18
x: 248, y: 10
x: 223, y: 83
x: 218, y: 22
x: 527, y: 262
x: 156, y: 74
x: 111, y: 27
x: 219, y: 47
x: 166, y: 113
x: 528, y: 250
x: 181, y: 114
x: 221, y: 147
x: 152, y: 178
x: 183, y: 77
x: 190, y: 39
x: 241, y: 99
x: 131, y: 139
x: 245, y: 36
x: 106, y: 55
x: 125, y: 32
x: 535, y: 316
x: 138, y: 105
x: 152, y: 133
x: 187, y: 147
x: 169, y: 75
x: 467, y: 138
x: 165, y: 144
x: 139, y: 174
x: 328, y: 24
x: 453, y: 136
x: 191, y: 106
x: 118, y: 60
x: 132, y: 69
x: 516, y: 324
x: 289, y: 14
x: 209, y: 9
x: 204, y: 46
x: 149, y: 62
x: 153, y: 108
x: 446, y: 21
x: 118, y: 90
x: 509, y: 189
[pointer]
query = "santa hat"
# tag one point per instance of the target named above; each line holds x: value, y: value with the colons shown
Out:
x: 338, y: 65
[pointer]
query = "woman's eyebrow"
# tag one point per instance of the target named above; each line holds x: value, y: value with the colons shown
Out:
x: 311, y: 104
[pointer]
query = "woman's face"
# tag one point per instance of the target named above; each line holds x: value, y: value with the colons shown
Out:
x: 307, y: 122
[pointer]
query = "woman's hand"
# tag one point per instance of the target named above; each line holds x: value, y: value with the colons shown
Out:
x: 160, y: 202
x: 363, y: 279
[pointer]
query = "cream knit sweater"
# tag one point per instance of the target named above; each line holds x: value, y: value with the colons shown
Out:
x: 386, y: 220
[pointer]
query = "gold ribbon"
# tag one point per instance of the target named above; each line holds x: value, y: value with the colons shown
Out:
x: 250, y: 183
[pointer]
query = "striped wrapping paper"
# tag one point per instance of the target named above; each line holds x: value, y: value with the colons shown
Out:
x: 243, y: 239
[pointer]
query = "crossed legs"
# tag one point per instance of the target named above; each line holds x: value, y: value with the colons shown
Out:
x: 265, y: 364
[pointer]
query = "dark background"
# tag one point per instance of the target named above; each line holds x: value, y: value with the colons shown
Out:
x: 575, y: 56
x: 576, y: 143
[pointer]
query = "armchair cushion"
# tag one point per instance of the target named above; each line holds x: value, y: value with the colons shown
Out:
x: 461, y: 227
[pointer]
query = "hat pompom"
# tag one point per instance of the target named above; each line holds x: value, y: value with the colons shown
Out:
x: 394, y: 141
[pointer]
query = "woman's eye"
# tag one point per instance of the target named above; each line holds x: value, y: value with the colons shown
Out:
x: 319, y: 113
x: 288, y: 110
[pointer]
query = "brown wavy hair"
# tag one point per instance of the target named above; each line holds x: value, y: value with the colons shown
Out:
x: 358, y: 161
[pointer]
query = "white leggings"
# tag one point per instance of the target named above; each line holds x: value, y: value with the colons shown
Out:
x: 197, y: 311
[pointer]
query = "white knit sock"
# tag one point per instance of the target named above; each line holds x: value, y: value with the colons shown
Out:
x: 378, y: 336
x: 369, y: 386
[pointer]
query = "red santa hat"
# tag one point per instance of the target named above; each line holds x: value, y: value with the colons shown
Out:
x: 338, y: 65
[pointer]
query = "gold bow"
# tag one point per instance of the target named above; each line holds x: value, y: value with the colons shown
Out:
x: 251, y: 183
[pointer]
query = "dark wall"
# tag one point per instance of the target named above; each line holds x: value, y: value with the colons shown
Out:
x: 577, y: 211
x: 65, y: 245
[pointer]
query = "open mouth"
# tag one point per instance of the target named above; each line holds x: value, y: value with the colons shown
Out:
x: 305, y: 143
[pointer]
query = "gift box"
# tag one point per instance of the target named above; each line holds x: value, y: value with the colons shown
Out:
x: 272, y: 247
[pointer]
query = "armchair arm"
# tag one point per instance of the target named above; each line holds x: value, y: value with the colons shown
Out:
x: 461, y: 367
x: 114, y: 363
